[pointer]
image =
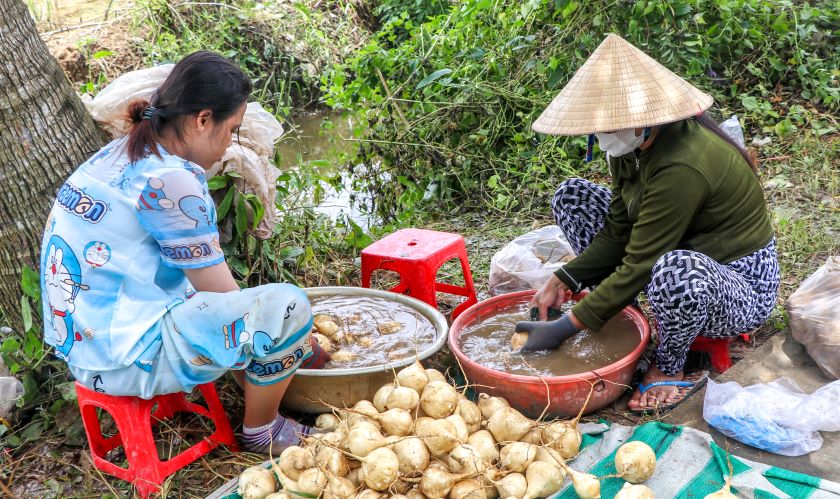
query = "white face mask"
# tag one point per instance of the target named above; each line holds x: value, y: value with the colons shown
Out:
x: 619, y: 143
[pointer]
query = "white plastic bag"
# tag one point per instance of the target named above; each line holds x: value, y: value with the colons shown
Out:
x: 110, y: 106
x: 814, y: 311
x: 777, y: 416
x: 528, y: 261
x: 11, y: 389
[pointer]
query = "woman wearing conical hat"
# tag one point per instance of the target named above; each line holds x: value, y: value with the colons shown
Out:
x: 684, y: 219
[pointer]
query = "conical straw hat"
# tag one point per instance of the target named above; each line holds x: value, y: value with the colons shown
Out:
x: 620, y: 87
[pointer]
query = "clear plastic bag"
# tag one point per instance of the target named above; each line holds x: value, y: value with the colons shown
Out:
x: 814, y: 311
x: 732, y: 127
x: 528, y: 261
x: 777, y: 416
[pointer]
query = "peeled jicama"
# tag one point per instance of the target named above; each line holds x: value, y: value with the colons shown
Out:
x: 468, y: 489
x: 402, y: 397
x: 630, y: 491
x: 512, y: 485
x: 461, y: 430
x: 466, y: 459
x: 435, y: 375
x: 439, y: 435
x: 312, y: 481
x: 516, y: 456
x: 508, y: 425
x: 489, y: 405
x: 294, y: 460
x: 635, y: 461
x: 485, y: 444
x: 412, y: 454
x: 256, y: 482
x: 414, y: 377
x: 327, y: 421
x: 439, y: 399
x: 471, y: 414
x: 543, y: 479
x: 380, y: 468
x: 381, y: 396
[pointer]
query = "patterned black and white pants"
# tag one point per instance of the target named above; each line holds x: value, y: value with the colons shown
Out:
x: 690, y: 293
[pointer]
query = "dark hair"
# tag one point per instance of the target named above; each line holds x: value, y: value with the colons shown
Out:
x: 707, y: 121
x: 201, y: 80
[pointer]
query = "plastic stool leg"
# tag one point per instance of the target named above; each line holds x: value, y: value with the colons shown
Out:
x: 469, y: 287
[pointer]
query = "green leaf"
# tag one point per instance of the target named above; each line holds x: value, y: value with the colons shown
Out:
x: 432, y: 77
x: 102, y: 53
x: 30, y: 282
x: 241, y: 221
x: 224, y: 206
x: 239, y: 266
x: 217, y: 182
x: 32, y: 432
x: 257, y: 206
x: 67, y: 390
x: 26, y: 313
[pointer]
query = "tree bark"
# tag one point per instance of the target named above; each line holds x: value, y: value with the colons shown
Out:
x: 45, y: 132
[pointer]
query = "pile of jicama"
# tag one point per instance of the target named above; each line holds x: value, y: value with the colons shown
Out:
x: 420, y: 438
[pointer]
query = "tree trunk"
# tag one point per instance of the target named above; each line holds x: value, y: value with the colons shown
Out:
x: 45, y: 132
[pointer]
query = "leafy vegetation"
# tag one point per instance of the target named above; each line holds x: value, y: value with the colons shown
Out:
x: 450, y: 108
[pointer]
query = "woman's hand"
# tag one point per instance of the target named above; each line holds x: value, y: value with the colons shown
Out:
x: 552, y: 294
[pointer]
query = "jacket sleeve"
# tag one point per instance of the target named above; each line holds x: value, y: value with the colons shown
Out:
x: 671, y: 199
x: 605, y: 252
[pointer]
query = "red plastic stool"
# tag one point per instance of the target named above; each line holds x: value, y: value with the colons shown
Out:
x: 416, y: 255
x: 718, y: 350
x: 134, y: 419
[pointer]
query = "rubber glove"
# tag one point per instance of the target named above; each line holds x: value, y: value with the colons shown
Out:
x: 547, y: 335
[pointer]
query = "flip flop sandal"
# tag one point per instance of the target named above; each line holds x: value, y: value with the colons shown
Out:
x: 690, y: 384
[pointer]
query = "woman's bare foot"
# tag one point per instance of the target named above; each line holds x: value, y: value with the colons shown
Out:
x: 656, y: 396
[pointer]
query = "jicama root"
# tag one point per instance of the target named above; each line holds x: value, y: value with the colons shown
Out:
x: 312, y: 481
x: 516, y: 456
x: 468, y: 489
x: 327, y: 421
x: 435, y: 375
x: 343, y: 356
x: 635, y: 461
x: 489, y: 405
x: 565, y: 436
x: 381, y: 396
x: 380, y: 469
x: 294, y: 460
x: 339, y: 488
x: 402, y: 397
x: 414, y: 377
x: 466, y: 459
x: 412, y: 454
x: 512, y: 485
x: 471, y: 414
x: 323, y: 341
x: 439, y: 399
x: 630, y: 491
x: 508, y: 425
x: 485, y: 444
x: 389, y: 327
x: 543, y: 479
x: 518, y: 340
x: 439, y: 435
x: 256, y: 482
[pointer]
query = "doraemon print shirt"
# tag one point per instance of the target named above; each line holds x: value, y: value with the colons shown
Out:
x: 116, y: 241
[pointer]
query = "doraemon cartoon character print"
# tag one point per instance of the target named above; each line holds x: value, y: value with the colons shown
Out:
x: 153, y: 197
x: 62, y: 282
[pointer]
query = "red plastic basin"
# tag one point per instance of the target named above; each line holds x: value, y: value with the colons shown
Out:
x: 528, y: 393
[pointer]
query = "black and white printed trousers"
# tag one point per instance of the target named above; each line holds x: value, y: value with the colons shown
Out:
x: 690, y: 293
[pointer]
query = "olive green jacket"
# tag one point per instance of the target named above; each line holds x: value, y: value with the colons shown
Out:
x: 690, y: 190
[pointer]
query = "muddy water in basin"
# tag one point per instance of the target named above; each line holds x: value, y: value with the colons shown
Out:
x: 371, y: 331
x: 488, y: 343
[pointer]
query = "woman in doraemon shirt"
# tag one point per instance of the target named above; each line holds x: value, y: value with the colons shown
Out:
x: 138, y: 299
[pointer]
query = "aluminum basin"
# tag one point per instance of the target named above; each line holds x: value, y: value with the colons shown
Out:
x: 312, y: 389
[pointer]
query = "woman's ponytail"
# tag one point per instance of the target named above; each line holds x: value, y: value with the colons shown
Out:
x: 145, y: 134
